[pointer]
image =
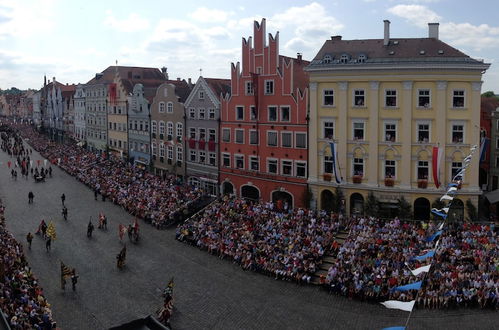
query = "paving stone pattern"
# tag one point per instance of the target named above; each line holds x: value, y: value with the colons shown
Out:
x: 209, y: 293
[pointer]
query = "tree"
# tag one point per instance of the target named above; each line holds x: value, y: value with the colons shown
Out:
x: 489, y: 94
x: 472, y: 211
x: 372, y: 205
x: 405, y: 208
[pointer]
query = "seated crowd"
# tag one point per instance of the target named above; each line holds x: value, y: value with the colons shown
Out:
x: 21, y: 298
x: 158, y: 200
x: 260, y: 237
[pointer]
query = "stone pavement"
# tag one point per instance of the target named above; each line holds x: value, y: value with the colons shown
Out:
x: 209, y: 293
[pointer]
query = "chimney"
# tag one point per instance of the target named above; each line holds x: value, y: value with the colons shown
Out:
x: 53, y: 79
x: 298, y: 56
x: 335, y: 38
x: 178, y: 78
x: 164, y: 70
x: 190, y: 81
x: 433, y: 30
x: 386, y: 40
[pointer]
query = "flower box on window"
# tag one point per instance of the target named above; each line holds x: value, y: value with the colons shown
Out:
x: 357, y: 178
x: 327, y: 176
x: 389, y: 182
x: 422, y: 183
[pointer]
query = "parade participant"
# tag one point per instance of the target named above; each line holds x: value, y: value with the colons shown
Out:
x: 63, y: 197
x: 90, y: 229
x: 65, y: 212
x: 48, y: 243
x: 29, y: 238
x: 95, y: 194
x: 121, y: 231
x: 102, y: 221
x: 74, y: 279
x: 42, y: 228
x: 121, y: 258
x: 30, y: 197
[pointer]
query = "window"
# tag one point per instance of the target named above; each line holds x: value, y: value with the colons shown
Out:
x: 239, y: 113
x: 358, y: 131
x: 169, y: 129
x: 161, y: 107
x: 287, y: 139
x: 254, y: 163
x: 180, y: 154
x: 239, y: 135
x: 344, y: 58
x: 212, y: 158
x: 287, y: 167
x: 424, y: 98
x: 362, y: 58
x: 327, y: 59
x: 253, y: 113
x: 239, y: 160
x: 272, y: 113
x: 161, y: 150
x: 328, y: 164
x: 201, y: 95
x: 269, y: 87
x: 457, y: 133
x: 253, y: 137
x: 169, y: 107
x: 301, y: 169
x: 202, y: 157
x: 328, y: 97
x: 271, y: 138
x: 456, y: 167
x: 359, y: 98
x: 192, y: 113
x: 497, y: 125
x: 249, y: 88
x: 301, y: 140
x: 226, y: 134
x: 193, y: 155
x: 328, y: 130
x: 162, y: 127
x: 390, y: 132
x: 211, y: 113
x: 212, y: 134
x: 272, y: 166
x: 226, y: 160
x: 390, y: 168
x: 458, y: 99
x: 391, y: 98
x: 192, y: 133
x: 285, y: 114
x: 201, y: 113
x: 180, y: 130
x: 423, y: 132
x: 169, y: 152
x: 358, y: 166
x: 423, y: 170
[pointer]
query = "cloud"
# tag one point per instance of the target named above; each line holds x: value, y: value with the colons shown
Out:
x: 22, y: 19
x: 415, y: 14
x: 206, y: 15
x: 132, y: 23
x: 476, y: 37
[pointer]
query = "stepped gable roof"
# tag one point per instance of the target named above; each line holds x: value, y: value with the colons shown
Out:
x: 218, y: 86
x: 300, y: 76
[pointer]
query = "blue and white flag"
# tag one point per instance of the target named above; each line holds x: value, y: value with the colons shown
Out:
x: 440, y: 212
x: 432, y: 237
x: 402, y: 305
x: 336, y: 169
x: 483, y: 148
x: 446, y: 198
x: 407, y: 287
x: 428, y: 254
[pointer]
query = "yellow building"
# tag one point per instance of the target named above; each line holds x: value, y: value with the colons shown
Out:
x: 386, y: 103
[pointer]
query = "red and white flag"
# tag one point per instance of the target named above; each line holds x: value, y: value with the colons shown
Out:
x: 437, y: 157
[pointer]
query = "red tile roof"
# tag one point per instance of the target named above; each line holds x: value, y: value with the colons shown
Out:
x: 218, y: 86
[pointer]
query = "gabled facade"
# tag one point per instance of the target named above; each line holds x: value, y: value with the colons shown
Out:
x: 68, y: 114
x: 263, y: 146
x: 54, y: 113
x: 202, y: 118
x: 79, y: 113
x: 386, y: 103
x: 167, y: 128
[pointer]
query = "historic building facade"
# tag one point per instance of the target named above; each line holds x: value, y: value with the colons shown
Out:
x: 79, y: 113
x: 386, y: 103
x: 263, y: 145
x: 202, y: 118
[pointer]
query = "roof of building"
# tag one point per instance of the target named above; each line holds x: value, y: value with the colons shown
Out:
x: 132, y: 73
x: 397, y: 50
x: 218, y: 86
x: 489, y: 104
x: 300, y: 76
x: 182, y: 89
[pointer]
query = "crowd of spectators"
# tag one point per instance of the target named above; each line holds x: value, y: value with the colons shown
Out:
x: 286, y: 244
x: 159, y: 200
x: 21, y: 297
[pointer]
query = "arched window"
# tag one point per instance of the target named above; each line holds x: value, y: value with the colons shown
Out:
x: 169, y: 107
x: 161, y: 107
x: 169, y: 128
x: 362, y: 58
x: 162, y: 127
x: 180, y: 153
x: 180, y: 129
x: 327, y: 59
x: 154, y: 148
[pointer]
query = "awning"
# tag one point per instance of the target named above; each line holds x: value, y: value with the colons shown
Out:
x: 492, y: 196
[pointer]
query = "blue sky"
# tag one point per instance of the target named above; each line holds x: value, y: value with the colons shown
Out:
x: 73, y: 40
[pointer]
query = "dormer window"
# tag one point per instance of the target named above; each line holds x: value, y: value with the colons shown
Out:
x: 362, y: 58
x: 327, y: 59
x: 201, y: 95
x: 344, y: 58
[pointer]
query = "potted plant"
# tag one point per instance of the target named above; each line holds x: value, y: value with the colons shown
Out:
x: 389, y: 181
x: 327, y: 176
x: 357, y: 178
x: 422, y: 183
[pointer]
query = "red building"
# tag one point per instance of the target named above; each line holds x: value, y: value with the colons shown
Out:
x: 488, y: 105
x: 263, y: 143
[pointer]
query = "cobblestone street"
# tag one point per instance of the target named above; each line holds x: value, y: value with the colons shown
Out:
x: 209, y: 293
